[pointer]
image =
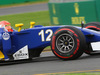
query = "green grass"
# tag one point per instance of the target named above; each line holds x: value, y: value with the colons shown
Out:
x: 41, y: 18
x: 25, y: 3
x: 90, y: 73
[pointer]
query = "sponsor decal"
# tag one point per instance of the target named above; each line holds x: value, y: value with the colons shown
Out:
x: 6, y: 36
x: 76, y: 6
x: 21, y: 54
x: 78, y: 20
x: 95, y: 46
x: 55, y: 20
x: 54, y: 10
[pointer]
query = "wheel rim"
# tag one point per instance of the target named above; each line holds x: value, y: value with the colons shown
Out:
x: 65, y: 43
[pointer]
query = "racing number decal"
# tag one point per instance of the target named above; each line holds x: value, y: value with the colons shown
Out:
x: 42, y: 35
x: 48, y: 38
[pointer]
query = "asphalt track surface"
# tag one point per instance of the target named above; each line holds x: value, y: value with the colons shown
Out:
x: 48, y: 63
x: 23, y: 9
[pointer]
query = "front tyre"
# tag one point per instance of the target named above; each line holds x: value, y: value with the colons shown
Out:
x: 68, y: 43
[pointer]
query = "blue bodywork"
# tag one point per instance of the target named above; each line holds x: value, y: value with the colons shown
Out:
x: 33, y: 39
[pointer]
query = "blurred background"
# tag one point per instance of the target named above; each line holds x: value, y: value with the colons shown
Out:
x: 73, y: 12
x: 50, y: 12
x: 25, y: 11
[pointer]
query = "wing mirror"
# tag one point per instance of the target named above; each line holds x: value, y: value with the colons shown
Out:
x: 31, y: 24
x: 19, y: 25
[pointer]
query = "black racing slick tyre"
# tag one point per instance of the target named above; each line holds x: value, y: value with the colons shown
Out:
x: 93, y: 26
x: 68, y: 43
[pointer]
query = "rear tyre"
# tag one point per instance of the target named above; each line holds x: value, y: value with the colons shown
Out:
x: 68, y: 43
x: 93, y: 26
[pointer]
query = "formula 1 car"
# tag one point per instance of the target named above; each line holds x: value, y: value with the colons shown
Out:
x: 67, y: 42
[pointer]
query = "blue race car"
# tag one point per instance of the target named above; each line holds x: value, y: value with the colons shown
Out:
x: 67, y: 42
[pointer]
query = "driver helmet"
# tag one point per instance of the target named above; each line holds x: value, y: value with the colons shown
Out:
x: 6, y: 25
